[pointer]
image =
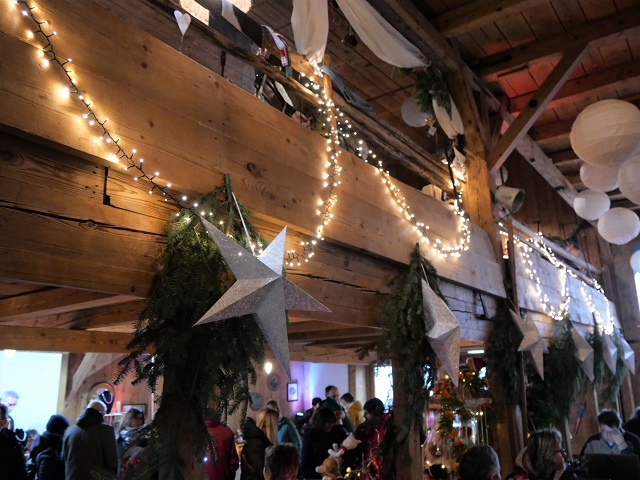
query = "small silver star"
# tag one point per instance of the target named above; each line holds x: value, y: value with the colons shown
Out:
x: 629, y: 356
x: 532, y: 342
x: 584, y: 353
x: 260, y: 290
x: 610, y: 353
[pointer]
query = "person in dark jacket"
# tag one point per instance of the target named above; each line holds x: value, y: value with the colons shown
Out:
x: 46, y: 454
x: 12, y: 466
x: 89, y: 447
x: 258, y: 435
x: 633, y: 425
x: 324, y: 432
x: 226, y: 461
x: 611, y: 439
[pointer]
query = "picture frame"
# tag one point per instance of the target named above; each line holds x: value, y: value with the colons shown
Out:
x: 292, y: 391
x: 140, y: 406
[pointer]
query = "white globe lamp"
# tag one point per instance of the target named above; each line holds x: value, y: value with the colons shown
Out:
x: 635, y: 261
x: 619, y: 226
x: 629, y: 179
x: 411, y: 113
x: 591, y: 205
x: 599, y: 179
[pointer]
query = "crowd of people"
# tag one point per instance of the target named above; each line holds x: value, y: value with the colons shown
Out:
x: 336, y: 433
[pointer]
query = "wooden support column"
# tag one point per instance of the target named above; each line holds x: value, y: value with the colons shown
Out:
x: 534, y: 108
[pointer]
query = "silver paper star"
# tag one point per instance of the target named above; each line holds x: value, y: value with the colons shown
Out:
x: 610, y: 353
x: 629, y: 356
x: 444, y: 336
x: 583, y: 353
x: 260, y: 290
x: 532, y: 342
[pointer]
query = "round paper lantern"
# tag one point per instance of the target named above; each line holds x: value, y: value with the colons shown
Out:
x: 591, y: 205
x: 629, y: 179
x: 635, y: 261
x: 606, y: 133
x: 599, y: 179
x: 451, y: 124
x: 411, y: 113
x: 619, y: 225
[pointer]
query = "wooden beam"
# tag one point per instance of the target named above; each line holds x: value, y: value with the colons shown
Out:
x: 334, y: 334
x: 477, y: 14
x: 310, y: 353
x: 61, y: 340
x: 91, y: 363
x: 55, y: 301
x: 551, y: 131
x: 536, y: 106
x: 596, y: 33
x: 587, y: 86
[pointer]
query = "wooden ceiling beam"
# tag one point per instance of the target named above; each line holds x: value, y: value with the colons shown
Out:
x: 493, y: 67
x: 55, y: 301
x: 535, y: 107
x: 62, y: 340
x: 334, y: 334
x: 551, y: 131
x: 587, y: 86
x: 476, y: 14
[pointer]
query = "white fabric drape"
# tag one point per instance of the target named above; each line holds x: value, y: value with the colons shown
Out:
x: 310, y: 23
x: 379, y: 35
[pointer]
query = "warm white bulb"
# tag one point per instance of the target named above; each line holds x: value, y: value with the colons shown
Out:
x: 268, y: 367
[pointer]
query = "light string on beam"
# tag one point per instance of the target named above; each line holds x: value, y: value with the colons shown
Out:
x: 90, y: 115
x: 559, y: 313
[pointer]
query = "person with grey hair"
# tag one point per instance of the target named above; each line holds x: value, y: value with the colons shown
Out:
x: 479, y: 462
x: 10, y: 400
x: 89, y: 447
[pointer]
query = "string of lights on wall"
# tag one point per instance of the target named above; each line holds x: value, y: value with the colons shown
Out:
x: 559, y: 313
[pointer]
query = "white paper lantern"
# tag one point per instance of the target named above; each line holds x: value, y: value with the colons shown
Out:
x: 635, y: 261
x: 606, y: 133
x: 629, y: 179
x: 451, y: 124
x: 619, y: 225
x: 591, y: 205
x: 599, y: 179
x: 411, y: 113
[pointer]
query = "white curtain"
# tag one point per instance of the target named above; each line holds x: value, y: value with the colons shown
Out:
x: 310, y: 23
x: 380, y: 36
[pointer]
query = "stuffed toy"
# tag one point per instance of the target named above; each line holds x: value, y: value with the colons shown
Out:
x: 349, y: 443
x: 330, y: 469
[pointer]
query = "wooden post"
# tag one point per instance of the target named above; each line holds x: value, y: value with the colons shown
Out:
x: 409, y: 464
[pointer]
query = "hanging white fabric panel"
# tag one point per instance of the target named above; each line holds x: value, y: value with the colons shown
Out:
x: 379, y: 35
x: 310, y: 23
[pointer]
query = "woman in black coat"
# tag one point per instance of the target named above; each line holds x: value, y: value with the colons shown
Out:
x: 257, y: 437
x: 12, y: 466
x: 318, y: 440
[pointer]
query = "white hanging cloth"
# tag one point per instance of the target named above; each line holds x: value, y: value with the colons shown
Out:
x: 380, y: 36
x: 310, y: 24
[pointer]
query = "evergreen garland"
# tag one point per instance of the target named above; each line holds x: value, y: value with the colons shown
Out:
x: 430, y: 85
x: 502, y: 358
x: 550, y: 401
x: 404, y: 341
x: 206, y: 365
x: 611, y: 383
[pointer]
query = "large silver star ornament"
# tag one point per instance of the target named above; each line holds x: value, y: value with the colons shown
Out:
x: 444, y: 336
x: 610, y: 353
x: 583, y: 353
x: 532, y: 342
x: 629, y: 356
x: 260, y: 290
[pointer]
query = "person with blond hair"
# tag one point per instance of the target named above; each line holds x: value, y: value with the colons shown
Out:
x: 258, y: 436
x: 542, y: 459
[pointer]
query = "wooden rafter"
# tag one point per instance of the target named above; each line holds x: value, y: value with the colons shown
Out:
x: 62, y: 340
x: 587, y: 86
x: 596, y: 33
x: 476, y: 14
x: 534, y: 108
x: 55, y: 301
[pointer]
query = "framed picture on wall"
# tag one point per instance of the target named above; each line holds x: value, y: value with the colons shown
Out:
x: 292, y: 392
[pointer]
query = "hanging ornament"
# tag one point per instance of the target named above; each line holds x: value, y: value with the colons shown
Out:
x: 584, y: 353
x: 629, y: 179
x: 412, y: 113
x: 610, y: 353
x: 628, y: 355
x: 599, y: 179
x: 619, y: 225
x: 261, y: 290
x: 451, y: 124
x: 606, y: 133
x: 591, y: 205
x: 635, y: 261
x: 444, y: 336
x: 532, y: 342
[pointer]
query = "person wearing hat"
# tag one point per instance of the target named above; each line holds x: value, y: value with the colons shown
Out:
x: 45, y: 456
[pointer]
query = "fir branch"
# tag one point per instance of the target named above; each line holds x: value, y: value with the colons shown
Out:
x: 611, y: 383
x: 431, y: 85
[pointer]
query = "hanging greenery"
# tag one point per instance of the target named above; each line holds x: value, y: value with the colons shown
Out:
x: 611, y: 383
x: 502, y: 358
x: 452, y: 407
x: 596, y: 341
x: 404, y: 325
x: 551, y: 400
x: 206, y: 365
x: 430, y: 85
